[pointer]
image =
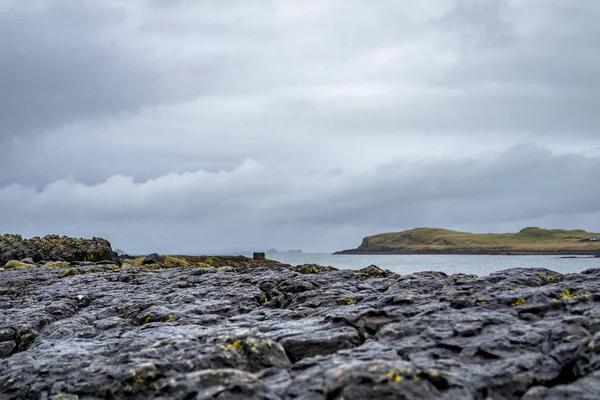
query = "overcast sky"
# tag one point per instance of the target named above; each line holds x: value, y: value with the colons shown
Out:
x: 206, y: 126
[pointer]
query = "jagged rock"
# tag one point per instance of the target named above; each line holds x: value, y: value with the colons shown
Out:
x: 266, y: 331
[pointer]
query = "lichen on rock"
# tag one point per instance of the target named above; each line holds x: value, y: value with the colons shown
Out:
x: 263, y: 330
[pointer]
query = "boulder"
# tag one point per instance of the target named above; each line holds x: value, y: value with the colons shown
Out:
x: 153, y: 258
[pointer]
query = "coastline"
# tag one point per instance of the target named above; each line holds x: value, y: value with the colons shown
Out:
x: 467, y: 252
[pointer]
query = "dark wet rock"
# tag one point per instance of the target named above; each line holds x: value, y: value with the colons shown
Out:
x: 7, y: 348
x: 262, y: 330
x: 53, y: 248
x: 216, y: 384
x: 153, y: 259
x: 299, y: 345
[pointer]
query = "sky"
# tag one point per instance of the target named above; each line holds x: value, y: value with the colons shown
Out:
x: 215, y: 126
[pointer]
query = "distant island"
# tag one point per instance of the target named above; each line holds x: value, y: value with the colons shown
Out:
x: 274, y: 251
x: 528, y: 241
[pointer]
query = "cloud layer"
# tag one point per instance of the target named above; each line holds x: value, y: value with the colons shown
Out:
x: 204, y: 126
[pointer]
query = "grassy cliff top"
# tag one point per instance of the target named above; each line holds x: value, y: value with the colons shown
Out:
x: 528, y: 240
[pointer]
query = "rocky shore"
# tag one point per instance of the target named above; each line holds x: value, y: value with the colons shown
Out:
x: 235, y: 328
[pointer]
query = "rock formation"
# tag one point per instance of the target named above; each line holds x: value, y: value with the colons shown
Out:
x: 234, y: 328
x: 54, y: 248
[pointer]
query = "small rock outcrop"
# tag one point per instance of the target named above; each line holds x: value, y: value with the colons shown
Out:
x: 54, y: 248
x: 153, y: 258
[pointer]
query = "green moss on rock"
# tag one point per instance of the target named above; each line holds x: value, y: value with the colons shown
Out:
x: 138, y: 261
x: 57, y: 264
x: 313, y: 269
x: 171, y: 262
x: 14, y: 264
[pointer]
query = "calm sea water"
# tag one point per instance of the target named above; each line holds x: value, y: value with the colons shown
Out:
x: 451, y: 264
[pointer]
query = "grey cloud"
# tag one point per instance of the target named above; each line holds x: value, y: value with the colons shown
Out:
x: 72, y: 61
x: 523, y: 184
x: 56, y: 70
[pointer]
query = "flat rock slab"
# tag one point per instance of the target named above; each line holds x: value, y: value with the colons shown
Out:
x: 277, y: 332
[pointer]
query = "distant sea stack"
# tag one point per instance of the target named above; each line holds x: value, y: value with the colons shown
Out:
x: 528, y: 241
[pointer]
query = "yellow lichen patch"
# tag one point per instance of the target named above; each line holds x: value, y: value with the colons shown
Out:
x: 262, y: 300
x: 518, y: 302
x: 394, y: 376
x: 173, y: 318
x: 566, y: 295
x: 112, y: 267
x: 171, y: 262
x: 550, y: 279
x: 236, y: 345
x: 203, y: 265
x: 351, y: 301
x: 482, y: 302
x: 149, y: 318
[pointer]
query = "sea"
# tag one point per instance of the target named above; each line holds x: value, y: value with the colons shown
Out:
x: 451, y: 264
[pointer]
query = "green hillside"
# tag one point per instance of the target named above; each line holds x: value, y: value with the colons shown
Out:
x: 530, y: 240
